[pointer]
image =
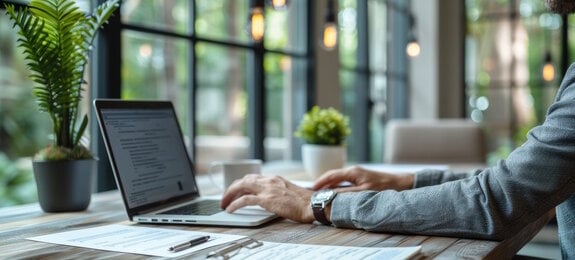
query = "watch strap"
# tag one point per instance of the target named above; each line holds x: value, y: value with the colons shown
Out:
x: 319, y: 214
x: 320, y: 200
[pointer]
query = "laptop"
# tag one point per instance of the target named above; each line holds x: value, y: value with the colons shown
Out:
x: 153, y: 171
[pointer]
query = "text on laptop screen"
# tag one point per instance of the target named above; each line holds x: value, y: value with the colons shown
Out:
x: 149, y: 154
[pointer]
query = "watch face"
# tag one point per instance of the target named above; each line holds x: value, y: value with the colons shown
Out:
x: 323, y: 195
x: 319, y: 201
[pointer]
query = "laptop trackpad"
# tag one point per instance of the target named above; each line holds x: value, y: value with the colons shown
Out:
x: 251, y: 210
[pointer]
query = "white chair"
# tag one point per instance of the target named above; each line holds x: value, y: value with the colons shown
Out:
x: 441, y: 141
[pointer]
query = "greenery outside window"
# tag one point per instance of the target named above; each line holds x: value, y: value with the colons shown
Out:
x: 506, y: 46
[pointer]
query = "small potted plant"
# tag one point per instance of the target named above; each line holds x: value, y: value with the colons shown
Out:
x: 56, y: 38
x: 324, y: 132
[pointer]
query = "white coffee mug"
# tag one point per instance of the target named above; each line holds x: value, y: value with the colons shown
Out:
x: 233, y: 170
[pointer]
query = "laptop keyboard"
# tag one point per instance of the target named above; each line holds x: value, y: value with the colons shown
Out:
x: 202, y: 207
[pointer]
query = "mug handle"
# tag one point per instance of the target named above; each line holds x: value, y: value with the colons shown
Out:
x: 212, y: 171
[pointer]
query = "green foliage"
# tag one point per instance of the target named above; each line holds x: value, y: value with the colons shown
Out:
x: 324, y: 127
x: 16, y: 183
x: 56, y: 37
x: 22, y: 130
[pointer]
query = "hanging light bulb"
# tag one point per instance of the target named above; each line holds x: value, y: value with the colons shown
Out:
x: 278, y: 4
x: 256, y: 25
x: 329, y: 37
x: 548, y: 71
x: 329, y: 31
x: 413, y: 49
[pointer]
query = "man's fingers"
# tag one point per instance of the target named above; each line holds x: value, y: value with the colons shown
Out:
x: 231, y: 194
x: 349, y: 189
x: 241, y: 202
x: 246, y: 185
x: 330, y: 179
x: 325, y: 179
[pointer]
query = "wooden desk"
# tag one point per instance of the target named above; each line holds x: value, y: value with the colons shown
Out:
x: 20, y: 222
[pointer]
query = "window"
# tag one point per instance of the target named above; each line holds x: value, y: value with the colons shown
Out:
x: 366, y: 74
x: 235, y: 98
x: 506, y: 47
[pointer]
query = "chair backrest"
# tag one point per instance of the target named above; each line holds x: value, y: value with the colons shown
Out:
x: 434, y: 141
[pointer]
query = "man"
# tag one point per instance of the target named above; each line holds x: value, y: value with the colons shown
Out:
x: 491, y: 204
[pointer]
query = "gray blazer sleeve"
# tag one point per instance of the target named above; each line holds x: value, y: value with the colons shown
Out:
x: 491, y: 204
x: 434, y: 177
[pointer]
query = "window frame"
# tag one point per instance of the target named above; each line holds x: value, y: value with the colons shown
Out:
x: 108, y: 82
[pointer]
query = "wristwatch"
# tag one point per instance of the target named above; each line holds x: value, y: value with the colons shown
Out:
x: 319, y: 200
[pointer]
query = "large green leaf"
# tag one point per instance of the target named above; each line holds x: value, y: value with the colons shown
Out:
x: 55, y: 37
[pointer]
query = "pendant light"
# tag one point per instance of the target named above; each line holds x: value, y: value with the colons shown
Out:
x: 413, y: 49
x: 329, y: 30
x: 256, y: 25
x: 548, y: 71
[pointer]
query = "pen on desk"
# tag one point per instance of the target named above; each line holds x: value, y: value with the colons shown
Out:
x: 188, y: 244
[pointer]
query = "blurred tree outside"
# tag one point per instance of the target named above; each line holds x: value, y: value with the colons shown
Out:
x: 17, y: 184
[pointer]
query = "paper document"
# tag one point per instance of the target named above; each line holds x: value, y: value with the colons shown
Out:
x: 270, y: 250
x: 157, y: 241
x: 135, y: 239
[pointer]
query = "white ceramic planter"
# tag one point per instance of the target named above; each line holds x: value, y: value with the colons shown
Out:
x: 317, y: 159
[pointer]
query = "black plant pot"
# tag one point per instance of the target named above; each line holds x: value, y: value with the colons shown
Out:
x: 64, y: 186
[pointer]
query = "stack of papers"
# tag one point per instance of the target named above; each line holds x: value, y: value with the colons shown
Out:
x: 135, y: 239
x: 157, y: 241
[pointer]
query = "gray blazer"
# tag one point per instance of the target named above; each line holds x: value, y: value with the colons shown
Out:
x: 493, y: 203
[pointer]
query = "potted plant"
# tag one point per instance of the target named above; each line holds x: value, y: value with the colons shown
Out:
x: 324, y: 132
x: 56, y: 37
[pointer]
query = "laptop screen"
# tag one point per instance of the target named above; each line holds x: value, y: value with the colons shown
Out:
x: 149, y: 154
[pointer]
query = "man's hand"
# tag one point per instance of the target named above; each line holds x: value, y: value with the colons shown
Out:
x: 363, y: 179
x: 275, y: 194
